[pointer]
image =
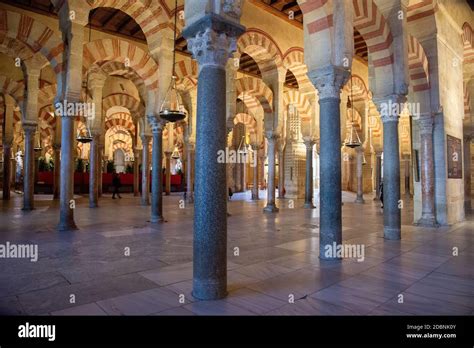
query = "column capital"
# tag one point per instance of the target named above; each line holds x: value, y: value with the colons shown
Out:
x: 57, y: 147
x: 390, y: 106
x: 329, y: 81
x: 309, y: 142
x: 145, y: 138
x: 272, y: 136
x: 425, y: 123
x: 30, y: 128
x: 212, y: 40
x: 156, y: 123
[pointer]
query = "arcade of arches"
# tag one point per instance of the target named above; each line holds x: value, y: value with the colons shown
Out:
x: 300, y: 116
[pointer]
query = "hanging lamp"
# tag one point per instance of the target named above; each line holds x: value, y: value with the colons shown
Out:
x: 175, y: 154
x: 172, y: 109
x: 353, y: 140
x: 87, y: 137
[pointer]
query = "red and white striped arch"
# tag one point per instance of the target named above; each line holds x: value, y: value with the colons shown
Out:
x: 373, y: 27
x: 186, y: 68
x: 293, y: 60
x: 124, y: 52
x: 257, y: 89
x: 12, y: 88
x: 149, y: 15
x: 120, y: 99
x: 468, y: 40
x: 300, y: 101
x: 261, y: 47
x: 248, y: 120
x: 467, y: 101
x: 35, y: 35
x: 359, y: 89
x: 121, y: 119
x: 46, y: 113
x: 14, y: 48
x: 418, y: 9
x: 417, y: 65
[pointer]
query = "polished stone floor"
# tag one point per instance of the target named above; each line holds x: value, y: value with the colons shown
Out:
x: 118, y: 264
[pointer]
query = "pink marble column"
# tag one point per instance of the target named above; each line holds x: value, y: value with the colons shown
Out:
x: 428, y: 218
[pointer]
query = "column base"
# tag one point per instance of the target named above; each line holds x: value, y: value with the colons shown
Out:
x: 27, y: 208
x: 144, y: 203
x: 66, y: 226
x: 359, y: 200
x: 376, y: 199
x: 157, y: 219
x: 391, y: 233
x: 93, y: 205
x: 309, y: 206
x: 209, y: 291
x: 427, y: 221
x: 271, y: 208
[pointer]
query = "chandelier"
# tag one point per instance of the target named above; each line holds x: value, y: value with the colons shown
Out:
x: 172, y: 109
x: 353, y: 139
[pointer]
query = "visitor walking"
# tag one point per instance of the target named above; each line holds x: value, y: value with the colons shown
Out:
x: 381, y: 193
x: 117, y: 183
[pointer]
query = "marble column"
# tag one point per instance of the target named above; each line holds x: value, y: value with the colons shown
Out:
x: 168, y: 172
x: 189, y: 172
x: 145, y: 170
x: 7, y: 154
x: 211, y: 40
x: 272, y: 139
x: 156, y: 172
x: 281, y: 169
x: 100, y: 167
x: 428, y: 217
x: 308, y: 196
x: 255, y: 172
x: 378, y: 174
x: 407, y: 166
x: 329, y: 81
x: 467, y: 174
x: 28, y: 165
x: 391, y: 166
x: 136, y: 173
x: 360, y: 178
x: 94, y: 171
x: 57, y: 170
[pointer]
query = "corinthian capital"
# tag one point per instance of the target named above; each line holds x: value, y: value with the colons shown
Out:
x: 156, y: 123
x: 329, y: 81
x: 390, y: 106
x: 212, y: 40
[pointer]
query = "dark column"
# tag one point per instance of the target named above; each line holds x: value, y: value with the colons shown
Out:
x: 57, y: 170
x: 94, y: 172
x: 428, y: 217
x: 28, y: 165
x: 378, y: 174
x: 7, y: 154
x: 145, y: 170
x: 189, y: 172
x: 407, y: 175
x: 391, y: 167
x: 168, y: 172
x: 281, y: 169
x: 308, y: 197
x: 211, y: 39
x: 467, y: 174
x: 272, y: 139
x: 255, y: 173
x: 100, y: 167
x: 360, y: 177
x: 329, y: 82
x: 156, y: 172
x: 136, y: 173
